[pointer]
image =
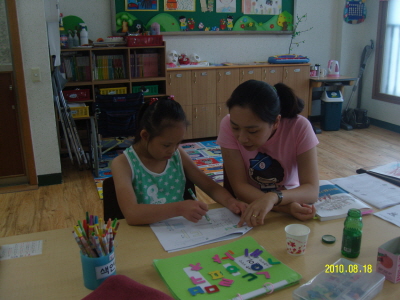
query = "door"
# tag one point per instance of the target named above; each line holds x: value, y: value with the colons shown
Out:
x: 272, y: 75
x: 227, y: 81
x: 11, y: 156
x: 298, y: 77
x: 250, y: 73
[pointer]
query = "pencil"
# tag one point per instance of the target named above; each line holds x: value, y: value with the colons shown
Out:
x: 195, y: 198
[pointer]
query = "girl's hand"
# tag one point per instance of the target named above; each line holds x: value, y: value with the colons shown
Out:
x: 193, y: 210
x: 236, y: 206
x: 256, y: 211
x: 302, y: 212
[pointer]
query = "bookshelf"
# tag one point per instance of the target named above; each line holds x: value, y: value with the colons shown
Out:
x: 114, y: 68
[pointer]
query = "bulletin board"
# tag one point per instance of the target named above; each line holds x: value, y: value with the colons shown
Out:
x: 190, y: 17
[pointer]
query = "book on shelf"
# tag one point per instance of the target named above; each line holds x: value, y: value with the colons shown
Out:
x: 242, y: 269
x: 177, y: 233
x: 370, y: 189
x: 334, y: 202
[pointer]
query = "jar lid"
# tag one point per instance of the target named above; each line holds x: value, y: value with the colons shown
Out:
x: 328, y: 239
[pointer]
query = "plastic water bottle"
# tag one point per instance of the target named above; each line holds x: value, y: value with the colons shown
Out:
x: 352, y: 233
x: 84, y: 37
x: 63, y: 38
x: 76, y: 39
x: 70, y: 39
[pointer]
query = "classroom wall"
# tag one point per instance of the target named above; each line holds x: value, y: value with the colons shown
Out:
x: 331, y: 38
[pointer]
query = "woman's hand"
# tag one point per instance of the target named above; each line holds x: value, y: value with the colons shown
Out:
x: 257, y: 210
x: 302, y: 212
x: 193, y: 210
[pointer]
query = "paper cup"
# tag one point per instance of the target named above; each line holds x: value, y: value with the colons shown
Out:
x: 97, y: 269
x: 296, y: 238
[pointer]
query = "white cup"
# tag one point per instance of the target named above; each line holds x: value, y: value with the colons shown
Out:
x: 322, y: 72
x: 296, y: 238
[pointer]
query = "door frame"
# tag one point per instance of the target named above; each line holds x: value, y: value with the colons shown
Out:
x: 20, y: 94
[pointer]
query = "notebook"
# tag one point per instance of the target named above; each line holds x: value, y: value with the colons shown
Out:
x: 242, y: 269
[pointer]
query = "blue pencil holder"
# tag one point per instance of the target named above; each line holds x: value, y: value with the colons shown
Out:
x: 97, y: 269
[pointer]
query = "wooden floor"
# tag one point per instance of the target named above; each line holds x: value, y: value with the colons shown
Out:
x: 340, y: 153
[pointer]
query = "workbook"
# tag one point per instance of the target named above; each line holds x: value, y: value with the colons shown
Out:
x: 334, y: 202
x: 370, y: 189
x: 242, y: 269
x: 177, y: 233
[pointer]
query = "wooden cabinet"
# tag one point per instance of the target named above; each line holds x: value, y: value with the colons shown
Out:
x: 203, y: 92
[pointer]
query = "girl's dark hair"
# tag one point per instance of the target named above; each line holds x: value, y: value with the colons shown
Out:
x: 155, y: 116
x: 266, y: 101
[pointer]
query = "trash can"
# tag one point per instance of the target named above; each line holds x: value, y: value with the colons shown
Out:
x: 331, y: 110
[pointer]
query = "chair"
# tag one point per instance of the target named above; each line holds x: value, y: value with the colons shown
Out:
x: 110, y: 203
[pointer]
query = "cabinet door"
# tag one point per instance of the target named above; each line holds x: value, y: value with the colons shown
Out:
x: 179, y: 85
x: 188, y: 111
x: 227, y: 81
x: 204, y: 121
x: 222, y: 111
x: 298, y: 77
x: 272, y: 75
x: 204, y: 90
x: 249, y: 73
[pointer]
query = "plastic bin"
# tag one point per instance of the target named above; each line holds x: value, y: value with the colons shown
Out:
x: 113, y: 91
x: 331, y: 110
x: 79, y: 111
x: 150, y: 89
x: 77, y: 95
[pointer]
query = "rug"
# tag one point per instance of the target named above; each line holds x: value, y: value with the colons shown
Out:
x: 206, y: 155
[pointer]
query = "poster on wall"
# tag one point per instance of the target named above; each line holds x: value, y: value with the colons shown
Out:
x: 179, y: 5
x: 268, y: 7
x: 141, y: 5
x: 225, y: 6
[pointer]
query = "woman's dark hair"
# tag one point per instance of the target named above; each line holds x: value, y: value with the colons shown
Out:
x: 266, y: 101
x: 155, y: 116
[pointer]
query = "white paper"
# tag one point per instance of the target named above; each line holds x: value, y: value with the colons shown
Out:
x: 370, y: 189
x: 178, y: 233
x: 391, y: 215
x: 21, y: 250
x: 390, y: 169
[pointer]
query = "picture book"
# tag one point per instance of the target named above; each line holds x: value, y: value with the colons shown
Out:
x: 334, y: 202
x: 242, y: 269
x: 370, y: 189
x: 178, y: 233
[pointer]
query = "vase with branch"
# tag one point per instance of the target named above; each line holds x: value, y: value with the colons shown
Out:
x: 297, y: 33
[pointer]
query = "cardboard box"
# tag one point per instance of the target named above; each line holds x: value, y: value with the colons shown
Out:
x: 389, y: 260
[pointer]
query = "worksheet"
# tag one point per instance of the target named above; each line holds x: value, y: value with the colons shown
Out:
x: 21, y: 250
x: 177, y: 233
x: 391, y: 214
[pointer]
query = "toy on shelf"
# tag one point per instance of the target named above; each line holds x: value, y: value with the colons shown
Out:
x: 172, y: 59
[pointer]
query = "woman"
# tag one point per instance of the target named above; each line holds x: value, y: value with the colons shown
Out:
x: 269, y: 152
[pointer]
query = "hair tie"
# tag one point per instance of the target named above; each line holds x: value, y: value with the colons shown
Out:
x: 152, y: 100
x: 171, y: 97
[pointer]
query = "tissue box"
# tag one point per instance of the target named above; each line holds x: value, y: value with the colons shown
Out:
x: 389, y: 260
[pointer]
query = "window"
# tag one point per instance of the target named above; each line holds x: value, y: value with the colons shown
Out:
x: 387, y: 60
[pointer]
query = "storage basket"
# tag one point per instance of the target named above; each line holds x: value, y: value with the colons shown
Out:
x: 144, y: 40
x: 151, y: 89
x: 79, y: 111
x: 77, y: 95
x: 113, y: 91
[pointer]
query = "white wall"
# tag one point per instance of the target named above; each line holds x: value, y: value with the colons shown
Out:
x: 330, y: 38
x: 33, y: 36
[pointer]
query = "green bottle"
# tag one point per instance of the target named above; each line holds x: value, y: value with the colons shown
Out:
x: 352, y: 232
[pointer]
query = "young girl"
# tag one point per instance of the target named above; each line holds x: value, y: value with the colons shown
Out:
x: 269, y: 152
x: 150, y: 176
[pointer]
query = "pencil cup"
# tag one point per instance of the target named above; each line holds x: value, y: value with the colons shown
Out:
x: 97, y: 269
x: 296, y: 238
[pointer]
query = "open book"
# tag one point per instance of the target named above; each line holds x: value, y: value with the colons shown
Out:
x: 334, y: 202
x: 242, y: 269
x: 370, y: 189
x: 178, y: 233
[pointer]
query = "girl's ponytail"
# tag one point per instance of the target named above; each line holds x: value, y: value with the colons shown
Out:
x: 291, y: 105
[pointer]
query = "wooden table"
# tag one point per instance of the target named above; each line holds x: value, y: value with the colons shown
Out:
x: 57, y: 274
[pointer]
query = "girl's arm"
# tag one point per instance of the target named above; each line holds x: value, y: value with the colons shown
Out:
x: 138, y: 214
x: 209, y: 186
x: 261, y: 203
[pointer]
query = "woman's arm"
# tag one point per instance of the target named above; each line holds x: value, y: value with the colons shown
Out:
x: 261, y: 203
x: 210, y: 187
x: 138, y: 214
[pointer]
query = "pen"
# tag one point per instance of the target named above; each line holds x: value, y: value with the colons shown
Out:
x: 195, y: 198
